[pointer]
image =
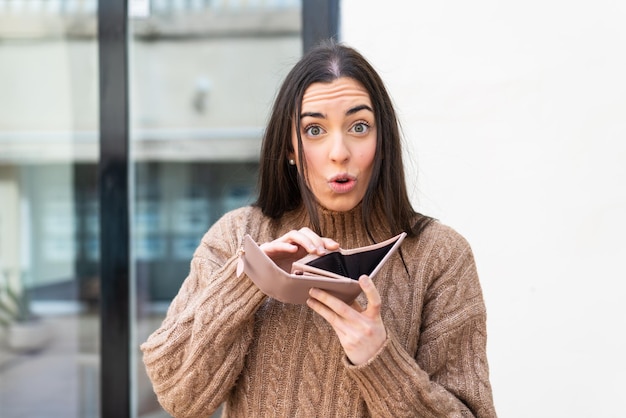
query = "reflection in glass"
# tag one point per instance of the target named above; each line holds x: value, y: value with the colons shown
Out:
x: 203, y: 77
x: 49, y: 233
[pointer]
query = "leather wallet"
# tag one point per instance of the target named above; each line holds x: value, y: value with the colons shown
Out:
x: 336, y: 272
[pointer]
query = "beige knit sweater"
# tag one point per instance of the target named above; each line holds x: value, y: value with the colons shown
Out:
x: 224, y: 341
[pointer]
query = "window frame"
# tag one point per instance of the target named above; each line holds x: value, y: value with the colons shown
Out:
x: 320, y: 20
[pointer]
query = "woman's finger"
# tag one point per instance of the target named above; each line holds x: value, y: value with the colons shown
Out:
x: 357, y: 306
x: 372, y: 295
x: 330, y: 244
x: 317, y: 244
x: 335, y: 305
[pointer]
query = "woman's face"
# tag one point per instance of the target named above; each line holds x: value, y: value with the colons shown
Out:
x: 338, y: 132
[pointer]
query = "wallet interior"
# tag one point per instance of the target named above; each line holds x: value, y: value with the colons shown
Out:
x: 351, y: 265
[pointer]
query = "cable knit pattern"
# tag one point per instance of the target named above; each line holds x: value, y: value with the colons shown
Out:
x: 224, y: 341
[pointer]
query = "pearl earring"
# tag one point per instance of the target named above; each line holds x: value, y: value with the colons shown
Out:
x: 292, y: 161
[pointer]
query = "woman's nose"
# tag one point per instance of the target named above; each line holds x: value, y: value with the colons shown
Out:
x: 339, y: 151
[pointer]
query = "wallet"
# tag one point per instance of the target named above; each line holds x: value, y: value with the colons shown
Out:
x: 336, y: 272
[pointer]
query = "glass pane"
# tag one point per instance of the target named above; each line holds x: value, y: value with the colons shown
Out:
x: 203, y: 78
x: 49, y: 210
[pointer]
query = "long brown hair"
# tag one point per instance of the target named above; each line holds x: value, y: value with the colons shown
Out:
x: 282, y: 187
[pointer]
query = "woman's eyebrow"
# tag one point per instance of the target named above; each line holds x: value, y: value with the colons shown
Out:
x: 358, y: 109
x: 313, y: 115
x: 349, y: 112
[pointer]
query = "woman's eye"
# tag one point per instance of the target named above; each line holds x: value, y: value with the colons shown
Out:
x: 360, y: 127
x: 314, y: 130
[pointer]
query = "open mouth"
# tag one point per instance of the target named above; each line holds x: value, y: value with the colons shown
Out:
x: 342, y: 183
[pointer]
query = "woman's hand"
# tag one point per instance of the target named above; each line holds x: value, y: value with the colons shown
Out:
x: 296, y: 244
x: 360, y: 330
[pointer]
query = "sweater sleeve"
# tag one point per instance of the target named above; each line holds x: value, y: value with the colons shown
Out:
x: 194, y: 358
x: 449, y: 376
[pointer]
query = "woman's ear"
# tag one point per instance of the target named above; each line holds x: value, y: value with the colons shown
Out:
x: 291, y: 157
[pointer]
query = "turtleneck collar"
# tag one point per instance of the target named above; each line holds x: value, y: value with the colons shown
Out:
x: 347, y: 228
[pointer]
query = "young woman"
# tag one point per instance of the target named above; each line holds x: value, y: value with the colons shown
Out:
x: 331, y: 175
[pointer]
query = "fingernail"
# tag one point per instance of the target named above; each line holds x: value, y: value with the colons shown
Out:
x: 321, y: 250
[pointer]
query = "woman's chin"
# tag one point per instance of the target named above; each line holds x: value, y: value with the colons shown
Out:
x: 339, y: 205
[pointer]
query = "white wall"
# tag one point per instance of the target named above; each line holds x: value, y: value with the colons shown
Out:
x: 515, y: 113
